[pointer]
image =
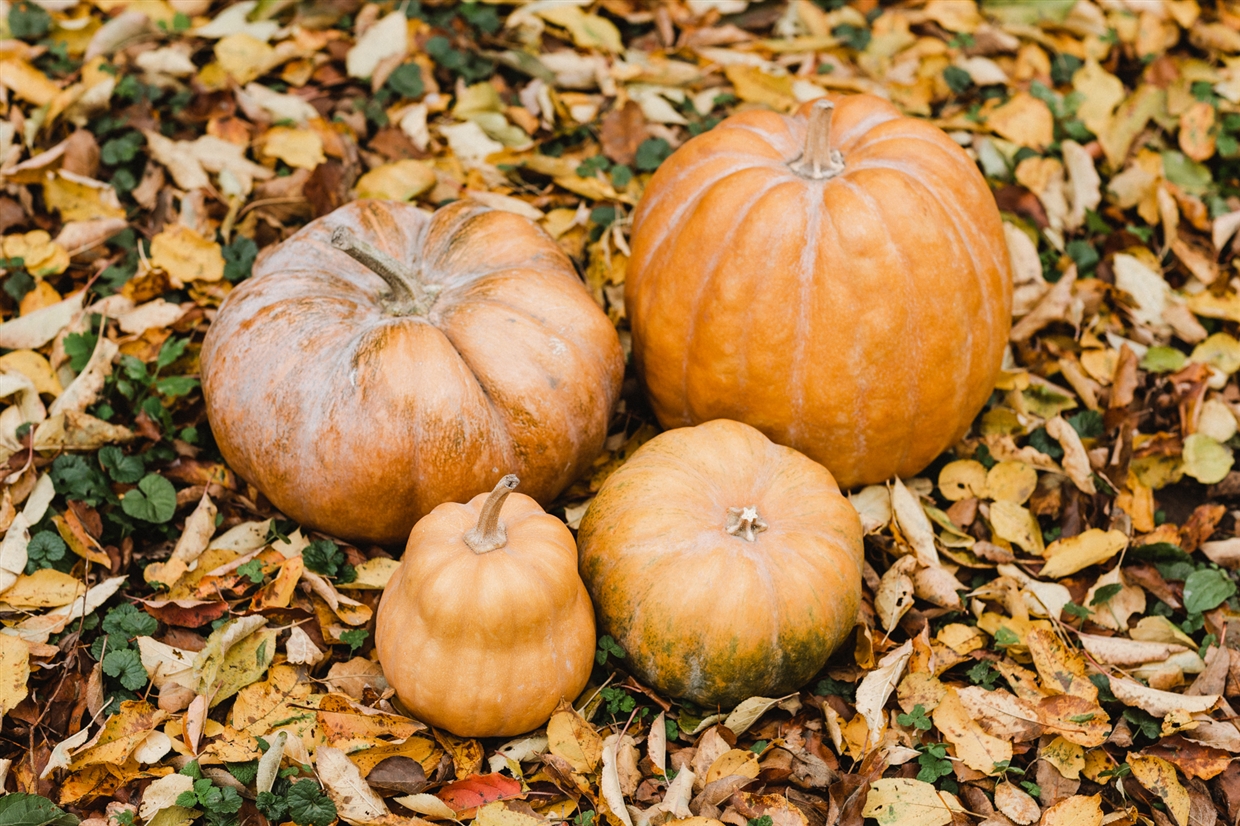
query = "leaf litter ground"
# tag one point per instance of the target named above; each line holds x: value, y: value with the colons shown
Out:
x: 1049, y: 629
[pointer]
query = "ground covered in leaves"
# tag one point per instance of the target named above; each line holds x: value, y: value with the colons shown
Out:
x: 1049, y: 631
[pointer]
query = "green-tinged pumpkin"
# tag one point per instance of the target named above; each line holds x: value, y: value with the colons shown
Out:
x: 726, y: 566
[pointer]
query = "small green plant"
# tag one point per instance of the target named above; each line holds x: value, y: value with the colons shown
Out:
x: 355, y: 638
x: 916, y: 718
x: 607, y: 647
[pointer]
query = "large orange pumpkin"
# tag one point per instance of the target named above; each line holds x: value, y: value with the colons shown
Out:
x: 486, y: 626
x: 842, y: 284
x: 382, y: 361
x: 726, y: 566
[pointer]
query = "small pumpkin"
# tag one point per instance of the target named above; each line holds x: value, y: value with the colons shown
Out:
x: 838, y: 278
x: 726, y: 566
x: 382, y: 361
x: 486, y: 626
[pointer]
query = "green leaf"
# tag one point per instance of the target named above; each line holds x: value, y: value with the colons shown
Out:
x: 1163, y: 360
x: 761, y: 820
x: 916, y: 718
x: 45, y: 548
x: 128, y: 621
x: 1087, y: 423
x: 1078, y: 611
x: 275, y: 809
x: 406, y: 81
x: 239, y: 258
x: 122, y: 468
x: 173, y: 387
x: 78, y: 347
x: 957, y: 79
x: 28, y: 21
x: 155, y: 500
x: 1207, y: 589
x: 244, y: 772
x: 252, y: 570
x: 126, y: 665
x: 172, y: 350
x: 323, y: 557
x: 651, y: 153
x: 1103, y: 594
x: 1186, y: 173
x: 308, y: 805
x: 20, y: 809
x: 355, y: 638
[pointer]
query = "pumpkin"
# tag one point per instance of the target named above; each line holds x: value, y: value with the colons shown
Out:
x: 382, y: 361
x: 840, y: 283
x: 485, y: 626
x: 726, y: 566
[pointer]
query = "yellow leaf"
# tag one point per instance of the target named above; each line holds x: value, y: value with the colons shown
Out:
x: 920, y: 689
x: 45, y: 588
x: 1129, y: 120
x: 1101, y: 92
x: 1024, y: 120
x: 399, y: 181
x: 27, y: 82
x: 186, y: 256
x: 14, y: 672
x: 740, y: 762
x: 1197, y: 137
x: 963, y: 479
x: 1067, y: 758
x: 571, y: 737
x: 589, y: 31
x: 979, y: 751
x: 908, y: 802
x: 1017, y: 525
x: 1011, y: 481
x: 498, y: 814
x: 244, y: 663
x: 1206, y: 460
x: 1067, y: 556
x: 80, y: 199
x: 1159, y: 777
x: 1219, y: 350
x: 35, y: 367
x: 299, y: 148
x: 122, y: 733
x: 755, y: 85
x: 1061, y: 669
x: 1077, y: 810
x: 39, y: 253
x: 244, y: 56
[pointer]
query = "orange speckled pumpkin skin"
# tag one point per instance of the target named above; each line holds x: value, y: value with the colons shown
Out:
x: 358, y: 421
x: 486, y: 645
x: 706, y: 615
x: 860, y: 319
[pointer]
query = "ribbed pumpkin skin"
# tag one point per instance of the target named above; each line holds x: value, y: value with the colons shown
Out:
x: 860, y: 319
x: 706, y: 615
x: 486, y: 645
x: 358, y: 422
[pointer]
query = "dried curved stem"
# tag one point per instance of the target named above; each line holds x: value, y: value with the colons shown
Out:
x: 489, y: 534
x: 403, y: 280
x: 819, y: 161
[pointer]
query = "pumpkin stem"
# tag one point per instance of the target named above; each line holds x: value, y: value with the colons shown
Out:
x: 489, y: 535
x: 745, y: 522
x: 403, y: 279
x: 819, y: 161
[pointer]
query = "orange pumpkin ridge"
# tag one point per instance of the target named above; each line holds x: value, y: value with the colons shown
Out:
x: 360, y: 383
x: 857, y: 313
x: 486, y: 625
